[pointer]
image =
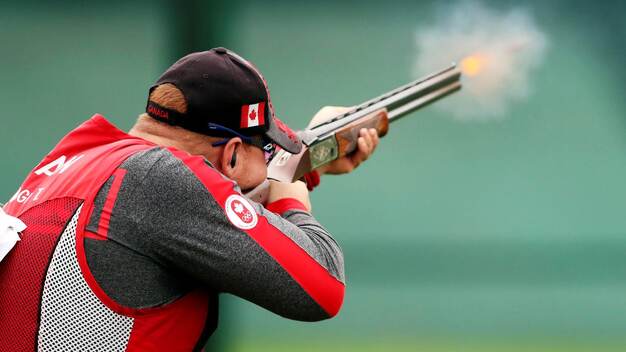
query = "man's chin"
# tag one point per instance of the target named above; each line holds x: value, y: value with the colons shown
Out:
x: 250, y: 188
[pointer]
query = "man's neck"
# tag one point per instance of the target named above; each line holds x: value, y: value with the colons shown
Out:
x: 156, y: 139
x: 201, y: 148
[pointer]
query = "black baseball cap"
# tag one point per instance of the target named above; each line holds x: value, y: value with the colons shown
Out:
x: 224, y: 93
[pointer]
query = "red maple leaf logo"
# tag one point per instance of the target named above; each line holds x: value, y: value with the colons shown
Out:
x: 252, y: 115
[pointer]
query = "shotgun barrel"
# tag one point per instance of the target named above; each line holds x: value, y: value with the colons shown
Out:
x: 338, y: 136
x: 398, y: 102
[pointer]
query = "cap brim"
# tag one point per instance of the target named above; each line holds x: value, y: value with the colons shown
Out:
x: 284, y: 136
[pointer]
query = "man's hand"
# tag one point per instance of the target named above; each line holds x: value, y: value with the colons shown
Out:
x: 367, y: 143
x: 296, y: 190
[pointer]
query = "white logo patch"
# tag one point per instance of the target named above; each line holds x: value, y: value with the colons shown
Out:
x: 240, y: 212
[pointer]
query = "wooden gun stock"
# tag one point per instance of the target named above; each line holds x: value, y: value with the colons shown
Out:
x: 347, y: 136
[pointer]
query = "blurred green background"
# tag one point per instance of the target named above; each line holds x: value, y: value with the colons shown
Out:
x: 458, y: 236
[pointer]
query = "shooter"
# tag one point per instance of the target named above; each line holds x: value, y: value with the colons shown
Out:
x: 131, y: 237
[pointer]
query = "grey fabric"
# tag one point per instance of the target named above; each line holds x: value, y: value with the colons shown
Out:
x: 124, y: 271
x: 168, y: 235
x: 311, y: 236
x: 132, y: 279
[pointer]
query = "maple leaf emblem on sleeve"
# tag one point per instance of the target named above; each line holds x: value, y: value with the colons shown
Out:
x: 238, y: 207
x: 252, y: 115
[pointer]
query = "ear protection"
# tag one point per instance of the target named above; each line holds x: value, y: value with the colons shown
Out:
x: 233, y: 160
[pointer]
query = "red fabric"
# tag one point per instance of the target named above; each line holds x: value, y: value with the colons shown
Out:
x: 76, y: 169
x: 178, y: 330
x: 316, y: 281
x: 312, y: 179
x: 109, y: 203
x: 100, y: 147
x: 34, y: 203
x: 23, y: 271
x: 282, y: 205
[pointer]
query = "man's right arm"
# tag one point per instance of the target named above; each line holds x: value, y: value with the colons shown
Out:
x: 193, y: 220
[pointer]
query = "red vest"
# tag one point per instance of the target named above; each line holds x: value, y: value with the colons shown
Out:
x: 48, y: 298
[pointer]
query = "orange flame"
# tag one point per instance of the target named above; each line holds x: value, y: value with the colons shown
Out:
x: 473, y: 65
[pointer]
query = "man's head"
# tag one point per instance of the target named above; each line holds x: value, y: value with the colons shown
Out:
x: 216, y: 104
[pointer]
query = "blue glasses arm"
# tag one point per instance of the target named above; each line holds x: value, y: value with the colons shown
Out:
x: 222, y: 142
x: 217, y: 127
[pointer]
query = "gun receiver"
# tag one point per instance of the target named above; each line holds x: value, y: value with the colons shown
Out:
x: 338, y: 136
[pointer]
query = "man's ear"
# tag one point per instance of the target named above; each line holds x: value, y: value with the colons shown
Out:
x: 228, y: 161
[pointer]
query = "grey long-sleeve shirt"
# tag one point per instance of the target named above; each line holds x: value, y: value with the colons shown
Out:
x: 167, y: 233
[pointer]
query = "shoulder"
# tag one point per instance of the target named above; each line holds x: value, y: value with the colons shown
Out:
x: 163, y: 182
x: 164, y: 169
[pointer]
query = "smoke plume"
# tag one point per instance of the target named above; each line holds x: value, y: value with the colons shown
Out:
x: 496, y: 50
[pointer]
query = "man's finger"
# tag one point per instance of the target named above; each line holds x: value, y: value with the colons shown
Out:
x: 360, y: 154
x: 375, y: 138
x: 373, y: 134
x: 368, y: 140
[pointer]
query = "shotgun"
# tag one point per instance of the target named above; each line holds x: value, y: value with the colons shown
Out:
x: 337, y: 137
